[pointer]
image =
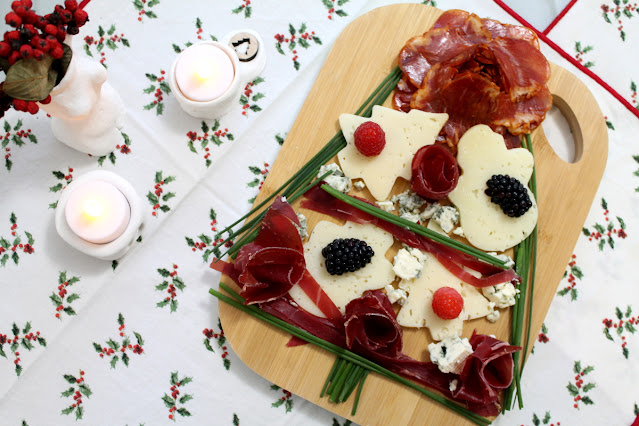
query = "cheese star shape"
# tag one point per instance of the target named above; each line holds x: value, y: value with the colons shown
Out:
x: 482, y: 153
x: 343, y: 288
x: 405, y: 134
x: 417, y: 311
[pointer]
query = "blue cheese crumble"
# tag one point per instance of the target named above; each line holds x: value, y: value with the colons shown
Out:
x: 396, y: 295
x: 359, y: 184
x: 509, y: 261
x: 303, y: 228
x: 387, y: 206
x: 503, y: 295
x: 447, y: 217
x: 408, y: 201
x: 409, y: 263
x: 336, y: 179
x: 450, y: 354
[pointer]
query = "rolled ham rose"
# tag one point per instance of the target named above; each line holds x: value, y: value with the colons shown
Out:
x: 434, y: 172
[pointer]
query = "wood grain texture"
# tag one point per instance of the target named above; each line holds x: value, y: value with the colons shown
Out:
x: 361, y: 58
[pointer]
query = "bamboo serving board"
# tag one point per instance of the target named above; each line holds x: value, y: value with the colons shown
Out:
x: 363, y: 55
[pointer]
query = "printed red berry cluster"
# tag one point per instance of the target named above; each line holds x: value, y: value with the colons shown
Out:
x: 82, y: 390
x: 112, y: 347
x: 61, y: 298
x: 284, y: 400
x: 25, y: 341
x: 221, y: 342
x: 626, y: 323
x: 171, y: 287
x: 172, y: 402
x: 16, y: 245
x: 578, y: 387
x: 35, y: 36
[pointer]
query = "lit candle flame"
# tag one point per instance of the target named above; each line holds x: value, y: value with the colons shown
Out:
x: 93, y: 208
x: 205, y: 69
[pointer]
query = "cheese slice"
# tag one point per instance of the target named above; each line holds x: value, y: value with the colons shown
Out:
x: 344, y: 288
x: 482, y: 153
x: 417, y: 311
x: 405, y: 134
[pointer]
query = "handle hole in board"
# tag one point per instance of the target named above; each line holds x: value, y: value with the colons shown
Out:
x: 563, y: 131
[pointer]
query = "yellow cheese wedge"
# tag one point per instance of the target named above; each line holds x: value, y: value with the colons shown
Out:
x: 405, y: 134
x: 344, y: 288
x: 481, y: 154
x: 417, y: 311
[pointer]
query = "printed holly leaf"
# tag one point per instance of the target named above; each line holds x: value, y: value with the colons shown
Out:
x: 585, y: 231
x: 125, y: 359
x: 79, y: 412
x: 162, y: 286
x: 547, y: 417
x: 586, y: 400
x: 18, y: 369
x: 114, y: 361
x: 15, y: 329
x: 164, y: 272
x: 576, y: 271
x: 236, y: 420
x: 601, y: 244
x: 185, y: 380
x: 138, y: 4
x: 607, y: 334
x: 631, y: 328
x: 174, y: 377
x: 275, y: 387
x: 153, y: 199
x: 573, y: 294
x: 85, y: 390
x: 589, y: 386
x: 26, y: 344
x: 150, y: 14
x: 205, y: 239
x: 139, y: 338
x: 618, y: 313
x: 185, y: 398
x: 72, y: 297
x: 165, y: 208
x: 572, y: 389
x: 2, y: 353
x: 70, y: 379
x: 42, y: 341
x: 577, y: 367
x: 98, y: 348
x: 7, y: 127
x: 168, y: 196
x: 340, y: 12
x: 190, y: 242
x: 113, y: 344
x: 15, y: 257
x: 625, y: 352
x: 588, y: 369
x: 67, y: 393
x: 183, y: 412
x: 207, y: 345
x: 68, y: 410
x: 174, y: 305
x: 178, y: 283
x: 114, y: 264
x: 27, y: 327
x: 168, y: 401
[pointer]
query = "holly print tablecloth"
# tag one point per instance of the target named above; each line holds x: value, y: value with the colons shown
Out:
x: 138, y: 341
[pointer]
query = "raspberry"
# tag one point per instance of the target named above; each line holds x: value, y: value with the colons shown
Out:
x: 369, y: 139
x: 447, y: 303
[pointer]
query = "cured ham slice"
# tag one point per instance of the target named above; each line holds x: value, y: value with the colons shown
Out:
x: 434, y: 172
x: 479, y: 71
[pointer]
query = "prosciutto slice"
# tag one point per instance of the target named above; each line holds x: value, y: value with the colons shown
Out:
x: 434, y: 172
x: 479, y: 71
x: 321, y: 201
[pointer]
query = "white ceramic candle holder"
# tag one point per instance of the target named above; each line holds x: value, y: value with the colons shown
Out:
x: 121, y: 245
x: 87, y: 113
x: 248, y: 65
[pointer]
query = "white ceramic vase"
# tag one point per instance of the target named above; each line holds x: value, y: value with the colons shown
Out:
x: 86, y: 112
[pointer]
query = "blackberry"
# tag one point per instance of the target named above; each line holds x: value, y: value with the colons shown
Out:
x: 510, y: 194
x: 346, y: 255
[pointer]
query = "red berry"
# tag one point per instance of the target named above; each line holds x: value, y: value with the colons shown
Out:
x: 447, y: 303
x: 26, y: 51
x: 57, y: 53
x: 51, y: 29
x: 70, y: 5
x: 369, y: 139
x: 33, y: 107
x: 27, y: 3
x: 5, y: 49
x: 45, y: 101
x: 13, y: 19
x: 80, y: 17
x: 16, y: 5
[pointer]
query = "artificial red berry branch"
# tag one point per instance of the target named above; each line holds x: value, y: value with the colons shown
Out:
x: 619, y: 11
x: 111, y: 349
x: 248, y: 99
x: 330, y: 6
x: 79, y: 389
x: 65, y: 178
x: 221, y: 342
x: 144, y: 8
x: 123, y: 148
x: 245, y: 8
x: 572, y: 274
x: 170, y: 287
x: 60, y: 298
x: 16, y: 245
x: 156, y: 198
x: 198, y: 33
x: 258, y: 181
x: 158, y: 91
x: 284, y: 400
x: 577, y: 386
x: 172, y: 402
x: 18, y: 340
x: 607, y: 232
x: 210, y: 245
x: 625, y: 323
x: 299, y: 37
x: 104, y: 39
x: 216, y: 136
x: 36, y: 39
x: 17, y: 135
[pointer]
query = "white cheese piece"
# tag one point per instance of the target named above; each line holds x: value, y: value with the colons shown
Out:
x: 452, y: 386
x: 395, y: 295
x: 459, y: 231
x: 475, y: 304
x: 434, y: 226
x: 343, y: 288
x: 410, y: 216
x: 336, y: 179
x: 387, y: 206
x: 303, y: 228
x: 481, y: 153
x: 503, y: 295
x: 359, y: 184
x: 408, y: 201
x: 446, y: 217
x: 493, y: 316
x: 408, y: 263
x: 405, y: 134
x: 450, y: 354
x: 429, y: 211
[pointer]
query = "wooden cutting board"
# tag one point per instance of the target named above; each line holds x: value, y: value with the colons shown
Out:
x: 363, y: 55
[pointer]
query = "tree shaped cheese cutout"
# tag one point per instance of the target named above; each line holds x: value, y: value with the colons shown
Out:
x: 481, y: 154
x: 351, y: 285
x: 405, y: 134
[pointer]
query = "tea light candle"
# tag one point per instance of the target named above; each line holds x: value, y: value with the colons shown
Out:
x: 97, y: 212
x: 204, y: 72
